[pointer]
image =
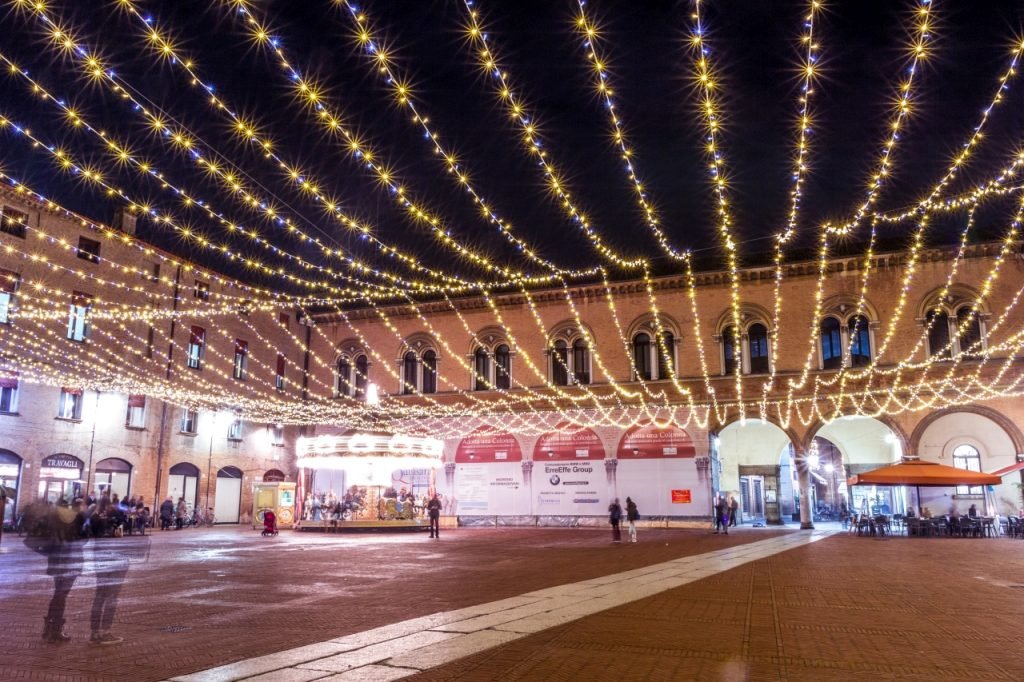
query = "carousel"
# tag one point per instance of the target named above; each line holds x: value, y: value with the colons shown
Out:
x: 366, y: 482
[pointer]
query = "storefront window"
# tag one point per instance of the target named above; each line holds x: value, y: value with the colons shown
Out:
x: 10, y: 472
x: 114, y: 475
x: 60, y: 477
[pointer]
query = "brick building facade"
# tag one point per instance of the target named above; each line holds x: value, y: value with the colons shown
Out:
x: 58, y: 440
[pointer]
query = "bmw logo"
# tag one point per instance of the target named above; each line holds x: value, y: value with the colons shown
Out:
x: 554, y: 480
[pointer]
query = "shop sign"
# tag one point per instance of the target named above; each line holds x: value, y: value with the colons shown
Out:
x: 62, y: 462
x: 681, y: 497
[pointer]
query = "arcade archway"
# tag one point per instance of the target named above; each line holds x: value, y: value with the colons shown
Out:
x: 756, y: 466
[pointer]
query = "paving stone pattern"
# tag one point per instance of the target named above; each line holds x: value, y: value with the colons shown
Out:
x: 846, y: 608
x: 209, y: 597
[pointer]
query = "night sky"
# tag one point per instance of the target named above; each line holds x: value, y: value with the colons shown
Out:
x: 755, y: 51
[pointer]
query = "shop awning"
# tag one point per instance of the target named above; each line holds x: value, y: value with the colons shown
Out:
x: 1008, y: 470
x: 923, y: 474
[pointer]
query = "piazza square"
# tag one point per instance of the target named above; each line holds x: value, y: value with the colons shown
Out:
x: 511, y: 341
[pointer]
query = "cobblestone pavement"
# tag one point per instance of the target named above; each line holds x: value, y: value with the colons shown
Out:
x: 845, y: 608
x: 209, y: 597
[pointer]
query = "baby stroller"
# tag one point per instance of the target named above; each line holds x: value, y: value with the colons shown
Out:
x: 269, y: 523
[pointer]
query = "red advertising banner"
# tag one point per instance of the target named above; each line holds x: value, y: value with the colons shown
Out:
x: 647, y: 441
x: 487, y: 445
x: 566, y: 443
x: 681, y: 497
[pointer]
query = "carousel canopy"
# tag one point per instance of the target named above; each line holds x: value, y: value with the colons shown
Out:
x: 923, y: 474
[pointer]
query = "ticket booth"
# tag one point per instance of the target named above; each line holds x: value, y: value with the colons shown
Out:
x: 278, y: 496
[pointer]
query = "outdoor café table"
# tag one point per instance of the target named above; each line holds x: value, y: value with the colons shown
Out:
x: 988, y: 526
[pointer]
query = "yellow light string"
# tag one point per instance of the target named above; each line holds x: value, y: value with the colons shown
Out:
x: 919, y: 52
x: 248, y: 131
x: 809, y: 71
x: 712, y: 121
x: 590, y: 36
x: 533, y: 142
x: 332, y: 121
x: 121, y: 153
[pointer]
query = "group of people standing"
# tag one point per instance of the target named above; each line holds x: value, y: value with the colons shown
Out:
x: 615, y: 518
x: 59, y: 533
x: 727, y: 512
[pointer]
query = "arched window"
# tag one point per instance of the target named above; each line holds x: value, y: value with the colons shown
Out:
x: 362, y: 367
x: 665, y: 351
x: 580, y: 362
x: 560, y: 364
x: 482, y: 370
x: 969, y: 327
x: 758, y: 336
x: 409, y: 373
x: 344, y: 377
x: 860, y: 341
x: 831, y: 344
x: 642, y: 356
x: 729, y: 344
x: 502, y: 367
x: 430, y: 372
x: 967, y: 457
x: 938, y: 334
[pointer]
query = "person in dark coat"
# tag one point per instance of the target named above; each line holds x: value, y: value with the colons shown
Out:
x: 734, y: 511
x: 722, y: 515
x: 56, y: 532
x: 632, y: 515
x: 614, y: 516
x: 166, y: 513
x: 434, y: 512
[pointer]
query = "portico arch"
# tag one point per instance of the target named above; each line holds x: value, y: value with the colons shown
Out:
x: 1007, y: 425
x: 975, y: 438
x: 754, y: 459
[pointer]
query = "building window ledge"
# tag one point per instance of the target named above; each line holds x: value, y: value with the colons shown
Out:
x: 68, y: 419
x: 189, y: 434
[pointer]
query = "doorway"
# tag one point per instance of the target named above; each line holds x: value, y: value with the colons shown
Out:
x: 114, y: 476
x: 183, y: 482
x: 227, y: 501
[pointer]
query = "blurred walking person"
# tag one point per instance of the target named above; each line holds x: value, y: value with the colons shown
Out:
x: 614, y: 516
x: 632, y: 515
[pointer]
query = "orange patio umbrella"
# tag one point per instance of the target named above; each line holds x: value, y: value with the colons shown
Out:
x: 918, y: 473
x: 928, y: 474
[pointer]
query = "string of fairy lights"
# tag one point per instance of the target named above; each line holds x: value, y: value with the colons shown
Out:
x: 138, y: 322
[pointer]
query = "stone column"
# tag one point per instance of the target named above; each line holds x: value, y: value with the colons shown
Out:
x: 610, y: 467
x: 803, y: 474
x: 528, y: 485
x: 449, y: 478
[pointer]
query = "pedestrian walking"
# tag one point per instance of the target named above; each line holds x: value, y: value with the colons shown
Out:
x: 614, y: 516
x: 722, y: 515
x: 632, y: 515
x: 111, y: 559
x: 166, y: 513
x: 182, y: 513
x: 56, y: 533
x: 434, y: 512
x: 734, y: 510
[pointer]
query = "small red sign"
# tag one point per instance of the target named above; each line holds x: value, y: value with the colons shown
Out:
x: 681, y: 497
